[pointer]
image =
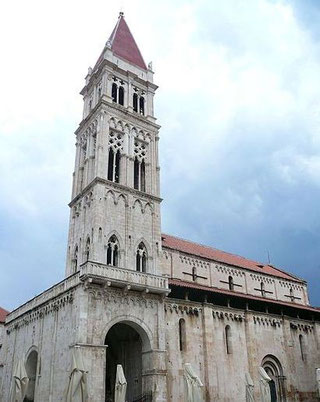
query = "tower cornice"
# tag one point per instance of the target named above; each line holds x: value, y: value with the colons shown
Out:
x: 117, y: 186
x: 103, y: 106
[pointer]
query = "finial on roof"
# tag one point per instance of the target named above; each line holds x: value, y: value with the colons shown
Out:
x: 121, y: 14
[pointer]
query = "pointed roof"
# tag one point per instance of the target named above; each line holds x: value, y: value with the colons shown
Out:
x: 122, y: 44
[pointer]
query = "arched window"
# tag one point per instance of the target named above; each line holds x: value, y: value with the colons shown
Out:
x: 141, y: 258
x: 135, y: 102
x: 114, y: 92
x: 182, y: 334
x: 90, y: 104
x: 114, y: 165
x: 75, y: 259
x: 136, y: 173
x: 263, y: 293
x: 231, y: 285
x: 99, y: 92
x: 113, y: 251
x: 302, y: 349
x: 139, y: 175
x: 121, y: 96
x: 143, y: 176
x: 141, y: 105
x: 87, y: 250
x: 228, y: 339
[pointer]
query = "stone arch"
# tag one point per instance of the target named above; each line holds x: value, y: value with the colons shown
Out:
x: 144, y: 241
x: 273, y: 368
x: 137, y: 201
x: 122, y: 196
x: 136, y: 323
x: 126, y: 342
x: 112, y: 122
x: 118, y: 236
x: 32, y: 369
x: 113, y: 196
x: 148, y: 205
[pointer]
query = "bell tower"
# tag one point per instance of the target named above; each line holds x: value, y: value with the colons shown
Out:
x: 115, y: 206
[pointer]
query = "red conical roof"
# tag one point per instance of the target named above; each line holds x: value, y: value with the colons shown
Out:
x: 123, y: 44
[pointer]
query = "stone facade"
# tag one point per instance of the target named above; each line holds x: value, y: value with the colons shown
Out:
x: 149, y: 301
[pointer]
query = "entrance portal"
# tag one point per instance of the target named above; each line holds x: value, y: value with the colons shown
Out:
x: 125, y: 348
x: 274, y: 370
x: 31, y: 368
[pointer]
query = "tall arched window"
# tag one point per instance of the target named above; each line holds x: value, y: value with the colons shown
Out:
x: 231, y: 285
x: 141, y: 105
x: 139, y: 175
x: 141, y: 258
x: 75, y: 260
x: 302, y: 349
x: 143, y: 176
x: 121, y: 96
x: 114, y: 165
x: 113, y: 251
x: 182, y: 334
x: 87, y: 250
x: 228, y: 339
x: 135, y: 102
x: 114, y: 92
x: 263, y: 293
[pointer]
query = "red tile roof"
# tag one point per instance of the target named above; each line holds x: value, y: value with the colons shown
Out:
x: 123, y: 44
x: 192, y: 285
x: 210, y: 253
x: 3, y: 314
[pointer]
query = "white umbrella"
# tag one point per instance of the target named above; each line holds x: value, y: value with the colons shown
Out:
x: 318, y: 380
x: 264, y: 385
x: 120, y: 388
x: 193, y: 387
x: 19, y: 383
x: 249, y: 388
x: 77, y: 386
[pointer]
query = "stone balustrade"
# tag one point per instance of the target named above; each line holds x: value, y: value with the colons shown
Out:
x: 120, y: 277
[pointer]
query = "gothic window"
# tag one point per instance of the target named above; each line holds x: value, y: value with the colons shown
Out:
x: 115, y: 147
x: 114, y: 92
x: 113, y: 251
x: 87, y: 250
x: 141, y: 258
x: 135, y: 102
x: 75, y: 259
x: 182, y: 334
x: 228, y: 339
x: 140, y: 151
x: 121, y: 96
x: 141, y: 105
x: 230, y: 281
x: 301, y: 344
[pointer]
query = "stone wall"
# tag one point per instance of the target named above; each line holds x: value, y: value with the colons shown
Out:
x: 253, y: 337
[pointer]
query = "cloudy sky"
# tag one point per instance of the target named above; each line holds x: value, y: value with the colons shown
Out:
x: 239, y: 105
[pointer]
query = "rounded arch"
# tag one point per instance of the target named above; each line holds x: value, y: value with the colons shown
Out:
x: 272, y: 362
x: 32, y: 369
x: 137, y: 324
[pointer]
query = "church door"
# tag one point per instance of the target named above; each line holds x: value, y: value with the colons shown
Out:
x: 273, y: 391
x: 124, y: 346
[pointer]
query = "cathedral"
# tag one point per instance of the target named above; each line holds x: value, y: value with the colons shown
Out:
x: 149, y: 301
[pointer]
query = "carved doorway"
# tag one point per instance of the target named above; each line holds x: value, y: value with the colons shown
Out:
x: 274, y: 370
x: 31, y: 368
x: 125, y: 348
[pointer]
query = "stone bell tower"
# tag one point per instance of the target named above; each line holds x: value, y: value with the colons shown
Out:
x: 115, y: 206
